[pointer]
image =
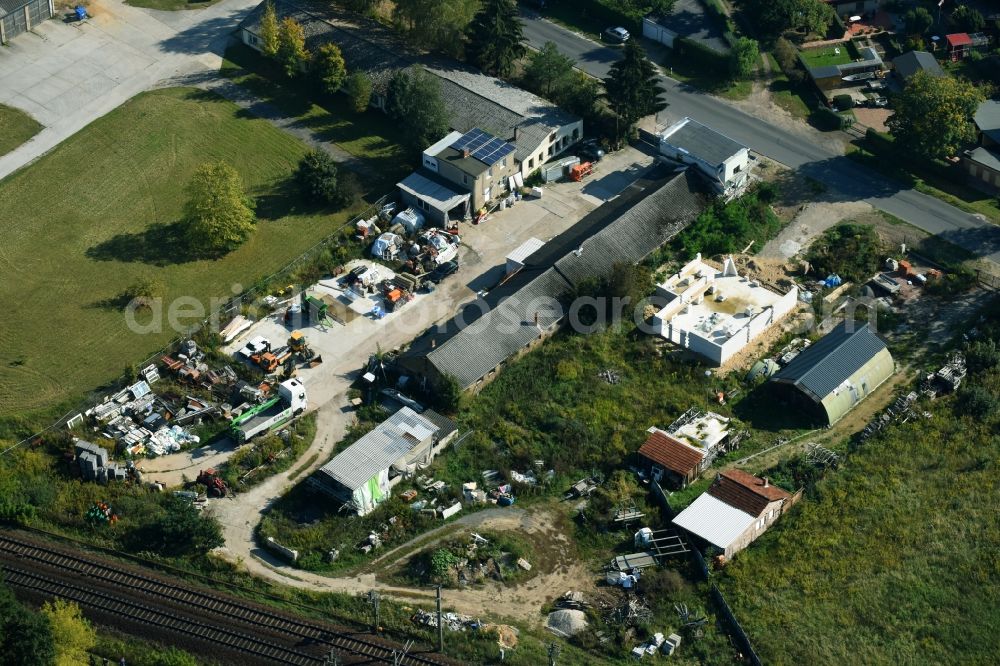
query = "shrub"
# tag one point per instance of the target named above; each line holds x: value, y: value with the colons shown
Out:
x: 843, y: 102
x: 317, y: 177
x: 828, y: 119
x: 853, y: 251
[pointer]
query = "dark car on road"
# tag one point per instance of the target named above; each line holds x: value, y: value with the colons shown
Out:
x: 443, y: 271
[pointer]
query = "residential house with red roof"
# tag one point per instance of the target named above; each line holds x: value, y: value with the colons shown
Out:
x: 735, y: 510
x: 677, y: 455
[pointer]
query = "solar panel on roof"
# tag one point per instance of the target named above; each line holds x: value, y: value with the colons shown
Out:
x: 484, y: 147
x: 472, y: 140
x: 493, y: 152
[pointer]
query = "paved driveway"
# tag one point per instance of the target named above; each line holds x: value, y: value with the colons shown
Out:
x: 66, y: 75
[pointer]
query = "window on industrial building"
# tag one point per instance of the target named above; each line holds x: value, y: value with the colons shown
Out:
x: 531, y: 162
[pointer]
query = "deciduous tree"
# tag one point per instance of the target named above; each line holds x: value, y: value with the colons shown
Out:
x: 743, y: 57
x: 632, y: 89
x: 933, y: 115
x: 25, y: 636
x: 436, y: 24
x: 292, y: 52
x: 777, y: 16
x: 269, y: 40
x: 329, y: 68
x: 414, y: 99
x: 967, y: 19
x: 71, y: 632
x: 358, y: 88
x: 494, y: 38
x: 548, y: 70
x: 218, y: 215
x: 918, y: 21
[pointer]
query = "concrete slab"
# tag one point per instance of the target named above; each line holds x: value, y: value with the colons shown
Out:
x: 68, y: 74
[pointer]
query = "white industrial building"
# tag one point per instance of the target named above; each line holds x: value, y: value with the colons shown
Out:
x: 714, y: 313
x: 362, y: 475
x: 724, y: 163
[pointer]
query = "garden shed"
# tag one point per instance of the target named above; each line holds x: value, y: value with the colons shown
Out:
x: 17, y: 16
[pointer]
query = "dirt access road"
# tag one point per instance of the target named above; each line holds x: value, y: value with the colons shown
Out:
x: 559, y: 570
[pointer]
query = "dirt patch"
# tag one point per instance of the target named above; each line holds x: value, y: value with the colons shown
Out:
x: 874, y: 118
x: 810, y: 221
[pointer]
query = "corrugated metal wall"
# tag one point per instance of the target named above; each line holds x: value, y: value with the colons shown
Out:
x: 15, y: 23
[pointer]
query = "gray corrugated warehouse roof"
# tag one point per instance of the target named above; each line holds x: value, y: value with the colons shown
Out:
x: 827, y: 364
x: 636, y: 227
x: 381, y: 448
x: 701, y: 141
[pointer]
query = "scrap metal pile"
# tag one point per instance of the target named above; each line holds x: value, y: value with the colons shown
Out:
x: 141, y: 422
x: 899, y: 412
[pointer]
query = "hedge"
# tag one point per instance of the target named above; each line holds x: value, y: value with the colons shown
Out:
x: 683, y: 45
x: 829, y: 120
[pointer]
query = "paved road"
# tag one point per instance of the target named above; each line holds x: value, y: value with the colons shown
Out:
x: 845, y: 179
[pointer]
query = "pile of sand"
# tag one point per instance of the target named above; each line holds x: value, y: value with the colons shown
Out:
x: 566, y: 622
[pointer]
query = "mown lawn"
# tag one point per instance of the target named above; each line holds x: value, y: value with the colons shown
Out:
x: 893, y: 559
x: 832, y: 54
x: 16, y: 127
x: 94, y: 216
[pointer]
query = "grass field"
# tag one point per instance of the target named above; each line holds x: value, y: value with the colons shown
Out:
x: 93, y: 216
x: 828, y: 55
x: 16, y: 127
x: 893, y: 559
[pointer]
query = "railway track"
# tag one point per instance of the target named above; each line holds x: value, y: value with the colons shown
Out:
x: 42, y: 570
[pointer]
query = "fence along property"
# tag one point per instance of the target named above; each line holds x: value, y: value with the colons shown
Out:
x: 219, y: 317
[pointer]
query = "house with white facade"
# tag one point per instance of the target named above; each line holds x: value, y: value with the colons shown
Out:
x: 717, y: 313
x: 724, y: 163
x: 362, y: 476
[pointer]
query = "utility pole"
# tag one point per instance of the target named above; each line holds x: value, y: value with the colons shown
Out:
x: 440, y: 622
x: 553, y: 654
x: 375, y: 600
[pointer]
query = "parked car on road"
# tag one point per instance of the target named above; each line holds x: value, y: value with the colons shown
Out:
x: 877, y: 102
x: 443, y: 271
x: 618, y: 35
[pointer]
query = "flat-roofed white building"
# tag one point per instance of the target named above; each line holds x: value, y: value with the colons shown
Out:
x: 724, y: 163
x: 716, y: 314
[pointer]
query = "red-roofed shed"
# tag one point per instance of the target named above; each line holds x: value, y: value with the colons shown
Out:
x: 959, y: 45
x: 670, y: 459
